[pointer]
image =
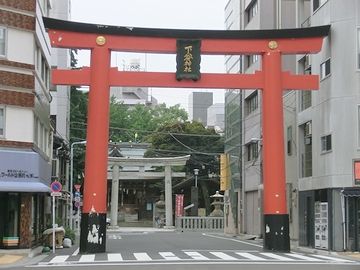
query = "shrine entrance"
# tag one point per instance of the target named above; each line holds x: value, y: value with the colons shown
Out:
x: 102, y: 39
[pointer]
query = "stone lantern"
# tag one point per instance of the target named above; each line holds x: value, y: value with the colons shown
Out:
x: 217, y: 203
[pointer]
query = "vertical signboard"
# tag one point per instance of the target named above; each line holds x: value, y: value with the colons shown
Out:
x: 188, y: 59
x: 179, y: 205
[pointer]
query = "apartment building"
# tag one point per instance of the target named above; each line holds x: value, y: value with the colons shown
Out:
x: 321, y: 128
x: 26, y: 135
x: 243, y: 115
x: 328, y: 130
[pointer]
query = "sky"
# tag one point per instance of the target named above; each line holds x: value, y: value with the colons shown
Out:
x: 177, y: 14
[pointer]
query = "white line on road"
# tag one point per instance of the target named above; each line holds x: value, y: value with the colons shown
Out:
x: 59, y: 259
x: 223, y: 256
x: 235, y: 240
x: 302, y: 257
x: 87, y: 258
x: 250, y: 256
x: 332, y: 258
x: 114, y: 257
x: 277, y: 257
x: 76, y: 252
x: 169, y: 256
x: 142, y: 256
x: 196, y: 255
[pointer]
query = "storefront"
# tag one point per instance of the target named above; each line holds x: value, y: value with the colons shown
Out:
x: 24, y: 187
x: 352, y: 218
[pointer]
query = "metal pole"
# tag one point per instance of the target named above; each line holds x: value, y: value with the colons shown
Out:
x: 71, y: 185
x: 53, y: 227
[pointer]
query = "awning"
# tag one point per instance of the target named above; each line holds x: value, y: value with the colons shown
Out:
x: 7, y: 186
x: 354, y: 192
x: 24, y: 171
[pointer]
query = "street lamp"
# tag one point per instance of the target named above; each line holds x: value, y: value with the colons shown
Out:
x: 195, y: 195
x: 71, y: 180
x: 196, y: 173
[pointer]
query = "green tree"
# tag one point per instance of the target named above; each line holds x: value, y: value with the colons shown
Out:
x: 204, y: 145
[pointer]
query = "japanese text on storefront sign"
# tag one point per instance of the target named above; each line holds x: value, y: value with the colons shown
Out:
x: 17, y: 174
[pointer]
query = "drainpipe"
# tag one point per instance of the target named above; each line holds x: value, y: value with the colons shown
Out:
x: 342, y: 200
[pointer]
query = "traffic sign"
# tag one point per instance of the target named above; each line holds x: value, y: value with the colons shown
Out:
x: 77, y: 204
x: 56, y: 186
x: 56, y: 194
x: 77, y: 199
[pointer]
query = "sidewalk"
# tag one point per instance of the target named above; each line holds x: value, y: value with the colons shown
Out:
x: 19, y: 257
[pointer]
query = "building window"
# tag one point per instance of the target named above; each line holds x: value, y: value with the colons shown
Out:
x: 306, y: 150
x: 251, y: 59
x: 289, y: 140
x: 325, y: 69
x: 2, y: 41
x: 318, y: 3
x: 252, y: 151
x: 252, y: 10
x: 358, y: 125
x: 326, y: 143
x: 358, y: 48
x: 305, y: 96
x: 251, y: 103
x: 2, y: 121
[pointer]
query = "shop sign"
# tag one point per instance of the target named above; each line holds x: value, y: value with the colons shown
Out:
x: 357, y: 172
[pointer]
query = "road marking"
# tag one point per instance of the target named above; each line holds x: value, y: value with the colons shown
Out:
x: 223, y: 256
x: 332, y: 258
x: 169, y: 256
x: 250, y: 256
x: 196, y: 255
x: 87, y: 258
x: 277, y: 257
x: 302, y: 257
x: 114, y: 257
x: 59, y: 259
x: 76, y: 252
x: 230, y: 239
x: 142, y: 256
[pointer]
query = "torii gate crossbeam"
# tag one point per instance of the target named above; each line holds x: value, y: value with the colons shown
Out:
x: 102, y: 39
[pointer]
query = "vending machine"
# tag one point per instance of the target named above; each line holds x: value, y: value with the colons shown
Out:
x: 321, y: 225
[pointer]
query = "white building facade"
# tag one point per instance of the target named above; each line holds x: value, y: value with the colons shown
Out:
x: 321, y: 128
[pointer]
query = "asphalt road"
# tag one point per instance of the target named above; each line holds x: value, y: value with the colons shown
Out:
x: 187, y: 250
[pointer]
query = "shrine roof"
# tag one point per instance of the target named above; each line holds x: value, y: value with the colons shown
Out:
x: 55, y: 24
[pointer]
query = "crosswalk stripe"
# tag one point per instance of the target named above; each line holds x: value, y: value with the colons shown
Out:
x: 223, y: 256
x: 76, y: 252
x: 59, y: 259
x: 87, y: 258
x: 332, y: 258
x: 196, y: 255
x: 169, y: 256
x: 277, y: 257
x: 142, y: 256
x: 302, y: 257
x: 114, y: 257
x: 250, y: 256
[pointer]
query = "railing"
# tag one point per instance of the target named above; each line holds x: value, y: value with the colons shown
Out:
x: 200, y: 223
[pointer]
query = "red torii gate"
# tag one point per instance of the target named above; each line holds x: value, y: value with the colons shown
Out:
x: 102, y: 39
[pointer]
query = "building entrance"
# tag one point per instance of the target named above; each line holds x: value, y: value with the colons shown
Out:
x: 354, y: 223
